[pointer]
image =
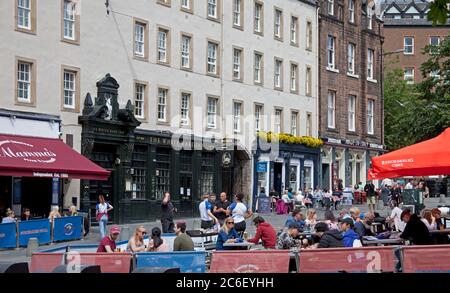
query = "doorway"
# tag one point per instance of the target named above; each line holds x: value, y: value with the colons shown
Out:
x: 37, y: 195
x: 5, y: 194
x: 185, y: 195
x: 326, y: 176
x: 278, y: 177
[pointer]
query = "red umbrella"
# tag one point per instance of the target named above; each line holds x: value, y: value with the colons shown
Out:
x: 427, y: 158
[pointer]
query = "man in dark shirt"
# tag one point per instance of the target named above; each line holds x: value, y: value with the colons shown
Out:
x: 369, y: 189
x: 220, y: 208
x: 168, y: 209
x: 415, y: 229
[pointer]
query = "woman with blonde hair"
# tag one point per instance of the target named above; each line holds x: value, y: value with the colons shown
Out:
x: 54, y: 214
x: 428, y: 220
x: 73, y: 211
x: 311, y: 219
x: 227, y: 235
x: 136, y: 243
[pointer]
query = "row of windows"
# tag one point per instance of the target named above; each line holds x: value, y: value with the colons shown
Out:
x: 351, y: 113
x: 26, y: 17
x: 212, y: 111
x: 213, y: 59
x: 351, y: 8
x: 351, y: 53
x: 408, y: 44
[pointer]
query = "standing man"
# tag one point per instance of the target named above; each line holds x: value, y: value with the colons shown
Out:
x: 168, y: 209
x: 221, y: 207
x: 369, y: 189
x: 206, y: 215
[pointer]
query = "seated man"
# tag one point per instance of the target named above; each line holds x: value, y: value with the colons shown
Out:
x: 350, y: 238
x: 288, y: 239
x: 108, y: 243
x: 328, y: 238
x: 265, y: 232
x: 295, y: 218
x: 183, y: 242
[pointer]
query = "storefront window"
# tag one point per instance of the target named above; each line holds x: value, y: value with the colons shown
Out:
x: 139, y: 172
x: 293, y: 178
x: 207, y: 174
x: 162, y: 172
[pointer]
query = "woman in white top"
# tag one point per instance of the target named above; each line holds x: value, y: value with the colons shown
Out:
x: 136, y: 243
x: 101, y: 212
x: 311, y: 219
x: 54, y: 214
x: 428, y: 220
x: 240, y: 212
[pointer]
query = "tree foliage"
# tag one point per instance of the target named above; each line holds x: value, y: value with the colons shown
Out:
x: 439, y: 11
x: 415, y: 113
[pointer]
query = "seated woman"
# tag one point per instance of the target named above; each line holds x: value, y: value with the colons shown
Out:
x: 136, y: 243
x: 227, y: 235
x: 26, y: 216
x: 157, y: 244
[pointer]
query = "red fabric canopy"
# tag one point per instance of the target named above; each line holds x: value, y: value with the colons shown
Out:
x: 25, y: 156
x: 430, y: 157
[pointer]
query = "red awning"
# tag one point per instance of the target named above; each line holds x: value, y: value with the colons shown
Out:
x: 430, y: 157
x: 25, y: 156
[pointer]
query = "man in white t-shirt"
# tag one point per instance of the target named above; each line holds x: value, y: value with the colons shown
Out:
x: 206, y: 215
x: 409, y: 185
x: 395, y: 216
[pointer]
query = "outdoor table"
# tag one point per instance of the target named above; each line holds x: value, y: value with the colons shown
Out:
x: 240, y: 245
x: 206, y: 236
x: 445, y: 231
x: 382, y: 242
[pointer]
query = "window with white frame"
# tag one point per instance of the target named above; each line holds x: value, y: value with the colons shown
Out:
x: 258, y: 114
x: 277, y: 24
x: 186, y: 4
x: 434, y: 43
x: 69, y: 20
x: 351, y: 58
x: 139, y: 39
x: 308, y: 81
x: 294, y: 119
x: 331, y: 52
x: 212, y: 113
x: 277, y: 73
x: 408, y: 45
x: 139, y: 100
x: 258, y: 26
x: 331, y: 7
x: 294, y: 75
x: 278, y: 120
x: 212, y: 8
x: 237, y: 12
x: 294, y: 29
x: 351, y: 113
x: 162, y: 45
x: 308, y: 35
x: 370, y: 55
x: 409, y: 75
x: 69, y: 89
x: 212, y: 58
x: 331, y: 109
x: 24, y: 14
x: 237, y: 59
x: 369, y: 17
x: 162, y: 105
x: 185, y: 104
x: 370, y: 115
x: 185, y: 51
x: 351, y: 11
x: 24, y: 82
x: 237, y: 108
x: 258, y: 68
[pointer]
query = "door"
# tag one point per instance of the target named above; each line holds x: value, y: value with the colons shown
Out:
x: 185, y: 209
x: 326, y: 176
x: 278, y: 177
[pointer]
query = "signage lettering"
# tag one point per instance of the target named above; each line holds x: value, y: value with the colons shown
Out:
x: 34, y: 156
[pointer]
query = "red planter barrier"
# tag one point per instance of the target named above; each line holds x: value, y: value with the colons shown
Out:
x: 426, y: 259
x: 350, y: 260
x: 45, y: 262
x: 250, y: 262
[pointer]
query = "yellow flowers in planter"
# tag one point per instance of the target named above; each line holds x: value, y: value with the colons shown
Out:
x: 286, y: 138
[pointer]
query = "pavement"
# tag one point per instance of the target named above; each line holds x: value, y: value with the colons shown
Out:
x: 277, y: 221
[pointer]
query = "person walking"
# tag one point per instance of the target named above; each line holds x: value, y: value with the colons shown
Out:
x: 239, y: 212
x: 168, y: 210
x: 101, y: 213
x: 369, y: 189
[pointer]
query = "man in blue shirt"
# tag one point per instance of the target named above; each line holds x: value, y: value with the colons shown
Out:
x: 206, y: 215
x: 295, y: 218
x: 349, y: 235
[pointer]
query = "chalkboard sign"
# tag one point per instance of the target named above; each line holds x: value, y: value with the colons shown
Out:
x: 264, y: 205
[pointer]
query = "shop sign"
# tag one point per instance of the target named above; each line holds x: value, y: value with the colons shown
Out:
x: 27, y: 152
x: 261, y: 167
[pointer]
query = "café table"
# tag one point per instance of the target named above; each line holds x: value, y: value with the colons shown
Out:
x: 240, y: 245
x: 372, y: 241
